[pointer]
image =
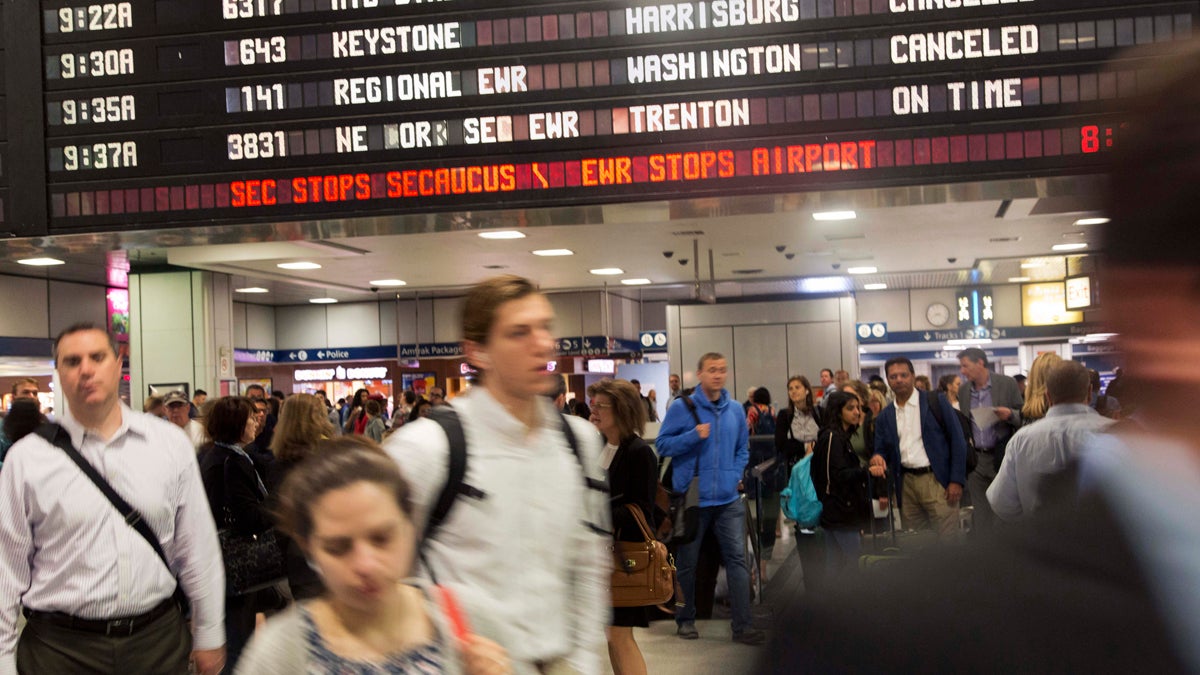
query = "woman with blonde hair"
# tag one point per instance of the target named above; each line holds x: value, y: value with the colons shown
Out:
x: 303, y: 422
x: 1035, y: 387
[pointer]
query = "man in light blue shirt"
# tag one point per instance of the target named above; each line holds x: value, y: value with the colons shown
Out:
x: 1043, y: 449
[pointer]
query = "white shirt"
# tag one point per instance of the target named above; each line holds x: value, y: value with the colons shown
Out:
x: 522, y: 554
x: 65, y: 548
x: 196, y: 434
x: 908, y: 426
x: 1038, y: 450
x: 606, y: 457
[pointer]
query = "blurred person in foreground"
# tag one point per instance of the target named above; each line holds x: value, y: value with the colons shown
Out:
x: 526, y: 533
x: 349, y: 509
x: 1106, y: 576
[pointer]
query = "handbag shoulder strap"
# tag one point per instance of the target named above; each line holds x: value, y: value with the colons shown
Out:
x: 640, y: 519
x: 828, y: 459
x: 58, y: 437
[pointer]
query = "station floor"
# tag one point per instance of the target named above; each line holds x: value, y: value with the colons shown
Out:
x: 715, y: 653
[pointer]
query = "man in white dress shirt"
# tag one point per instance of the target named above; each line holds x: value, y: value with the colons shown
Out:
x: 516, y: 542
x: 97, y: 596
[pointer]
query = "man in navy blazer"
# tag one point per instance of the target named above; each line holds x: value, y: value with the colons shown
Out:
x: 929, y: 457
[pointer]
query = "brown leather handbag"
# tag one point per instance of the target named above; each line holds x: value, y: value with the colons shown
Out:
x: 643, y: 572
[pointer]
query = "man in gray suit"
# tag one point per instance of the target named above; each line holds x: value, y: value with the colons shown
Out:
x: 999, y: 393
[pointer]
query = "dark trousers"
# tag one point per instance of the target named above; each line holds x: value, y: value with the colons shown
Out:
x: 162, y: 648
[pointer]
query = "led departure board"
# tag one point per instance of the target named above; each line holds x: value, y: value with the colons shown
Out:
x: 154, y: 113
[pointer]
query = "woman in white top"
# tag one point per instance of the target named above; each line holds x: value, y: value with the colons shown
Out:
x: 348, y: 508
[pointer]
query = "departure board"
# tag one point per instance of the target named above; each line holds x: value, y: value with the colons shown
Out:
x: 157, y: 113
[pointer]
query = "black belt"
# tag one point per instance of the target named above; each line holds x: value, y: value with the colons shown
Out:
x: 918, y: 471
x: 107, y: 627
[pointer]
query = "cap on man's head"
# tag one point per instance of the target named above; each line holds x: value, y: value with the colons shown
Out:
x: 175, y: 397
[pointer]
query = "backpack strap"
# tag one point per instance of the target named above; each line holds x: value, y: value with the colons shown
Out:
x: 447, y: 418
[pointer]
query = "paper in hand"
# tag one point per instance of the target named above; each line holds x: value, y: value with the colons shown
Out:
x: 984, y: 417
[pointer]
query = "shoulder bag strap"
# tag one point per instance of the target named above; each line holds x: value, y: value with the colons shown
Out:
x: 59, y: 438
x: 828, y: 459
x: 691, y: 406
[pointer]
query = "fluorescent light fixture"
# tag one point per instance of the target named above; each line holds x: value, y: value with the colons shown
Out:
x: 835, y: 215
x: 875, y: 287
x: 1091, y: 221
x: 40, y: 262
x: 863, y: 270
x: 322, y: 301
x: 252, y: 289
x: 389, y: 282
x: 1017, y: 280
x: 1078, y: 246
x: 502, y: 234
x: 607, y: 271
x: 824, y: 285
x: 302, y: 265
x: 969, y: 341
x: 553, y: 252
x: 635, y: 282
x: 1032, y: 265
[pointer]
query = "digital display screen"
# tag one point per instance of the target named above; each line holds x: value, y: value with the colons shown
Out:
x: 186, y: 112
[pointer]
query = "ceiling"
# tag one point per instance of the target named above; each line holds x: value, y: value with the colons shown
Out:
x: 759, y: 245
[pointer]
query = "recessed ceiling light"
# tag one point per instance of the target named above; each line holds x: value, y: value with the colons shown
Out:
x: 389, y: 282
x: 252, y: 289
x: 875, y: 287
x: 1091, y: 221
x: 502, y: 234
x: 1068, y: 247
x: 40, y: 262
x: 835, y: 215
x: 635, y: 282
x: 1033, y: 264
x: 1017, y: 280
x: 303, y: 265
x: 863, y: 270
x: 322, y: 301
x: 607, y: 271
x: 553, y: 252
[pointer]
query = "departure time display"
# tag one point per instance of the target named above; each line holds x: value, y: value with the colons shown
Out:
x: 224, y: 110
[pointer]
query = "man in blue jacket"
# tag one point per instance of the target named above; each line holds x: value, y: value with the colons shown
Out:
x: 710, y: 439
x: 928, y: 448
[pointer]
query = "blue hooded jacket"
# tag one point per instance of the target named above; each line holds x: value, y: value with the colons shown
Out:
x: 722, y: 456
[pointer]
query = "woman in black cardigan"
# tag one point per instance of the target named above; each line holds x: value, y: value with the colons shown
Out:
x: 237, y: 497
x: 841, y: 483
x: 620, y: 414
